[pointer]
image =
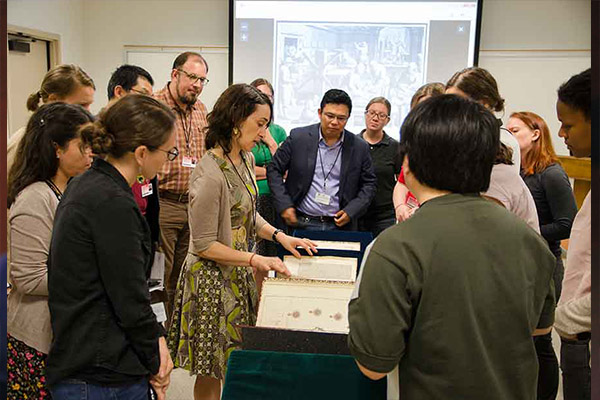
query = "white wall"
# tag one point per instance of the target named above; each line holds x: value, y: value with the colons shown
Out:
x: 61, y: 17
x: 531, y: 47
x: 111, y: 24
x: 536, y: 24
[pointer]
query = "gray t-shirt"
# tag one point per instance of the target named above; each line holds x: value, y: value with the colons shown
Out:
x: 453, y: 295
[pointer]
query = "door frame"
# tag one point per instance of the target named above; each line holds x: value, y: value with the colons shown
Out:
x: 53, y: 39
x: 54, y: 56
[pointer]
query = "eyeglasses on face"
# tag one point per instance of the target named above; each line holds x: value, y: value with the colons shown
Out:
x: 195, y: 78
x: 331, y: 117
x: 171, y: 154
x: 372, y: 114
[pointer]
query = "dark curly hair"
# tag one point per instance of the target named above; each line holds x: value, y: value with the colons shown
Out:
x: 232, y: 108
x: 577, y: 92
x: 52, y: 125
x: 134, y: 120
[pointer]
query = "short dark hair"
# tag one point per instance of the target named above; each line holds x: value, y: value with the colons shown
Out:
x: 126, y: 76
x: 451, y: 143
x: 53, y: 124
x: 336, y: 96
x: 183, y: 57
x: 232, y: 108
x: 577, y: 92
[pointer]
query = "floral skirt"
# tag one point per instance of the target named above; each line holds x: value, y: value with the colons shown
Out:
x: 210, y: 304
x: 26, y: 372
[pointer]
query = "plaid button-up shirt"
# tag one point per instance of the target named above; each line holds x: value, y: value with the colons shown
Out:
x: 173, y: 176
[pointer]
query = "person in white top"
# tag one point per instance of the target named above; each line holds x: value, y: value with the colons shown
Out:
x: 479, y: 85
x: 513, y: 194
x: 506, y: 185
x: 573, y: 318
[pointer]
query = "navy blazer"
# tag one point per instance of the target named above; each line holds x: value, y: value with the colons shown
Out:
x: 297, y: 156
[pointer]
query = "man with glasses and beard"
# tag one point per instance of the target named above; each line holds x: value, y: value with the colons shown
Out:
x: 181, y: 94
x: 330, y: 176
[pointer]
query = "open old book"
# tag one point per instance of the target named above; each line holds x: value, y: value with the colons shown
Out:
x: 302, y: 304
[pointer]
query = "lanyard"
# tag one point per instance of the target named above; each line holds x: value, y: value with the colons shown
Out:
x: 187, y: 130
x: 252, y: 198
x: 333, y: 165
x: 54, y: 188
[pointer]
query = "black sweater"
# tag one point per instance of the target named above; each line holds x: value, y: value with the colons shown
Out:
x: 555, y: 203
x: 100, y: 258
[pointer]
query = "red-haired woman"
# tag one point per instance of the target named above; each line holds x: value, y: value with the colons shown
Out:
x: 556, y: 208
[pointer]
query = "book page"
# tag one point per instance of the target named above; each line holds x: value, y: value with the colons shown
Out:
x: 333, y: 245
x: 322, y: 268
x: 305, y: 305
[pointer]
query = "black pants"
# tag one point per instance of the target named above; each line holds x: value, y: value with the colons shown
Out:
x: 547, y: 387
x: 575, y: 366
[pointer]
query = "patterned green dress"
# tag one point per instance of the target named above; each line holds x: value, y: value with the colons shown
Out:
x: 212, y: 299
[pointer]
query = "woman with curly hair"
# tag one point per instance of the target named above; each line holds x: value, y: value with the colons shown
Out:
x: 216, y: 291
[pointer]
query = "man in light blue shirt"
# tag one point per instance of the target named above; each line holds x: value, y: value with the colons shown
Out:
x: 331, y: 180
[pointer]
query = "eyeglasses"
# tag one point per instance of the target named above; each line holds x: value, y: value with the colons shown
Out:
x: 171, y: 154
x: 195, y: 78
x: 341, y: 118
x: 373, y: 114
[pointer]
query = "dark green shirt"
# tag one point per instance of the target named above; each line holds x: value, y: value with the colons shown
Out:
x: 262, y: 155
x: 387, y: 163
x: 453, y: 295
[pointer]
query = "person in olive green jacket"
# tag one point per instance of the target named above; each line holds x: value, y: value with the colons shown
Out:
x: 453, y: 295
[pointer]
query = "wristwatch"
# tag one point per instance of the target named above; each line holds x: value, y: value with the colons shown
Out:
x: 274, y: 237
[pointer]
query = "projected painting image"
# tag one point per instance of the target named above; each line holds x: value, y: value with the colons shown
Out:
x: 364, y: 60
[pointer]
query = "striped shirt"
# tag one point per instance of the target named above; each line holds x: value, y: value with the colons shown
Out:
x: 189, y: 131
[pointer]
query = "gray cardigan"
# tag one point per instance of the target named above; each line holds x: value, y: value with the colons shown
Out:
x: 30, y: 229
x: 210, y: 206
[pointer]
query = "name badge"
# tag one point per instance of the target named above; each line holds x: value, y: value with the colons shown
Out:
x: 188, y: 162
x: 159, y: 311
x: 146, y: 190
x: 323, y: 198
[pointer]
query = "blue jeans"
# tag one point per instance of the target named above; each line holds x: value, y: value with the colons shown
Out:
x: 72, y: 389
x: 575, y: 366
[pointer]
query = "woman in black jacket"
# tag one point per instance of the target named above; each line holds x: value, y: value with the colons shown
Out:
x: 107, y: 342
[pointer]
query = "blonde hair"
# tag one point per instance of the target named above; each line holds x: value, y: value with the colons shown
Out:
x: 61, y: 81
x: 428, y: 89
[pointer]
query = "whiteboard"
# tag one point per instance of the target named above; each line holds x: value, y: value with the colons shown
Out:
x: 528, y: 81
x: 158, y: 61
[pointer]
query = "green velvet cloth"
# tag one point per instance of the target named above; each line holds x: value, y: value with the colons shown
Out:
x: 288, y: 376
